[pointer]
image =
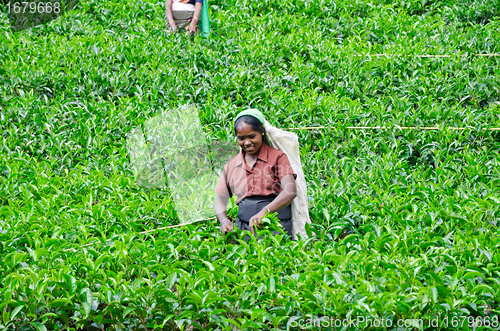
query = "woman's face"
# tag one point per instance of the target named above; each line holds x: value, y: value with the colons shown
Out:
x: 249, y: 140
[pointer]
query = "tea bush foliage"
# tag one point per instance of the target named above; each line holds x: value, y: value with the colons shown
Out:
x: 404, y: 222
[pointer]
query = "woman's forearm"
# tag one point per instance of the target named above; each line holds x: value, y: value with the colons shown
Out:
x: 282, y: 200
x: 168, y: 12
x: 286, y: 196
x: 197, y: 11
x: 196, y: 18
x: 220, y: 205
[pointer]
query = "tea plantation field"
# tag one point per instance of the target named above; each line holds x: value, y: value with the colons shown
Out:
x: 405, y: 223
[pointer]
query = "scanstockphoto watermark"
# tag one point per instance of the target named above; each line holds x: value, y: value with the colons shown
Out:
x: 331, y: 322
x: 364, y: 322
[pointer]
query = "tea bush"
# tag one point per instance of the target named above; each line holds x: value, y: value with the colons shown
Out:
x: 404, y: 223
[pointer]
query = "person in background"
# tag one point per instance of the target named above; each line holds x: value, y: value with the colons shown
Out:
x: 260, y: 176
x: 183, y: 14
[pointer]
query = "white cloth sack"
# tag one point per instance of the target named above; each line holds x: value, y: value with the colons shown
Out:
x: 288, y: 142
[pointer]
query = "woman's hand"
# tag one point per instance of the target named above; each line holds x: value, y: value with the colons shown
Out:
x: 192, y: 27
x: 173, y: 26
x: 282, y: 200
x: 226, y: 226
x: 256, y: 220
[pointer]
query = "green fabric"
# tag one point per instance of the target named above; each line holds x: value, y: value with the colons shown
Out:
x: 252, y: 112
x: 205, y: 21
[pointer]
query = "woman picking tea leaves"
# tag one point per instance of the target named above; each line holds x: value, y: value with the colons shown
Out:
x: 260, y: 176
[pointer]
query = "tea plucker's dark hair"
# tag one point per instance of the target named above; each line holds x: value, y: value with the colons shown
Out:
x: 255, y: 124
